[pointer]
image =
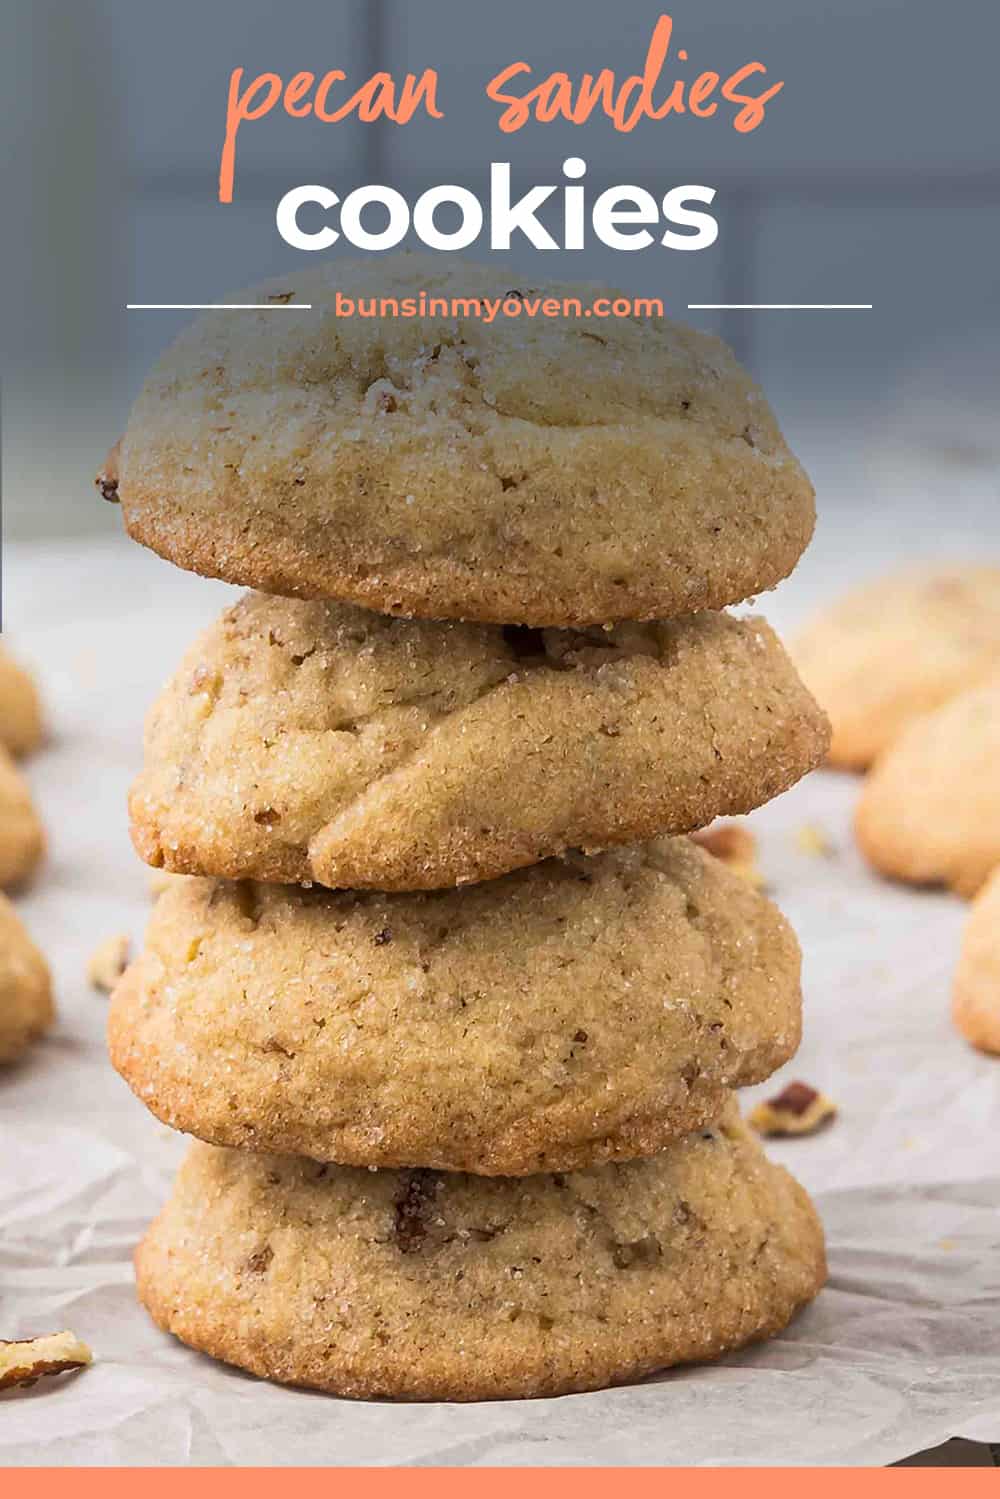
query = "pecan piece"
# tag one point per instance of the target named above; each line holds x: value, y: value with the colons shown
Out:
x: 796, y: 1110
x: 55, y: 1353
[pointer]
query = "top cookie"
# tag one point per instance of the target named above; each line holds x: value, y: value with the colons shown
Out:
x: 897, y: 648
x: 545, y: 471
x: 20, y: 710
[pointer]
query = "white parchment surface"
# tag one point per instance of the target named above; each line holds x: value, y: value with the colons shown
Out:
x: 901, y: 1351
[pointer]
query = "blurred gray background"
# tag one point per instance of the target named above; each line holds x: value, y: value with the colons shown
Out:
x: 874, y: 178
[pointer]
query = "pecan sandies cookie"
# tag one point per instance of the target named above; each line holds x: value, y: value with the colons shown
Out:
x: 26, y: 1008
x: 976, y: 995
x: 579, y: 1011
x: 22, y: 840
x: 320, y: 742
x: 542, y: 471
x: 897, y: 648
x: 422, y: 1285
x: 21, y: 725
x: 929, y: 812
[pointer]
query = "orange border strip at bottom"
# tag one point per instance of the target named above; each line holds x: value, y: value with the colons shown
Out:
x: 496, y: 1483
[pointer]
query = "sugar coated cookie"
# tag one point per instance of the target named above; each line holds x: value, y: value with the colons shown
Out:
x: 310, y: 741
x: 420, y: 1285
x: 532, y: 470
x: 22, y: 841
x: 930, y: 810
x: 26, y: 1008
x: 896, y: 649
x: 578, y: 1011
x: 20, y: 709
x: 976, y: 995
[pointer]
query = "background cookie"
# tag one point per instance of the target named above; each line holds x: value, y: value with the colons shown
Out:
x: 574, y: 1012
x: 310, y: 741
x: 20, y: 709
x: 540, y: 471
x: 26, y: 1008
x: 930, y: 810
x: 425, y: 1286
x: 22, y: 841
x: 897, y: 648
x: 976, y: 996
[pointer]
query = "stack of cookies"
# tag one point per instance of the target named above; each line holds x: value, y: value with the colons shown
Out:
x: 454, y: 1005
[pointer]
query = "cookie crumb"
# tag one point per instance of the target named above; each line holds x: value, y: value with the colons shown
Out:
x: 108, y: 962
x: 811, y: 839
x: 796, y: 1110
x: 735, y: 846
x: 55, y: 1353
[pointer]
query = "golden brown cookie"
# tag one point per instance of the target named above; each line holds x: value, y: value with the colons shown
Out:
x: 929, y: 812
x: 20, y: 708
x: 26, y: 1008
x: 22, y: 841
x: 976, y: 995
x: 310, y: 741
x: 543, y: 471
x: 423, y: 1286
x: 898, y: 648
x: 578, y: 1011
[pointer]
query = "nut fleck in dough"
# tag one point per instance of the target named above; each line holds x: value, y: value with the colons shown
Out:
x: 310, y: 741
x: 26, y: 1008
x: 930, y: 810
x: 22, y: 841
x: 416, y: 1285
x: 976, y: 996
x: 898, y: 648
x: 578, y: 1011
x: 20, y: 709
x: 532, y: 470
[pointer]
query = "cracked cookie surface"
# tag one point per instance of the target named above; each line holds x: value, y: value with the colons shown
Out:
x: 319, y: 742
x: 26, y: 1008
x: 420, y: 1285
x: 577, y: 1011
x: 897, y: 648
x: 22, y: 841
x: 544, y: 471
